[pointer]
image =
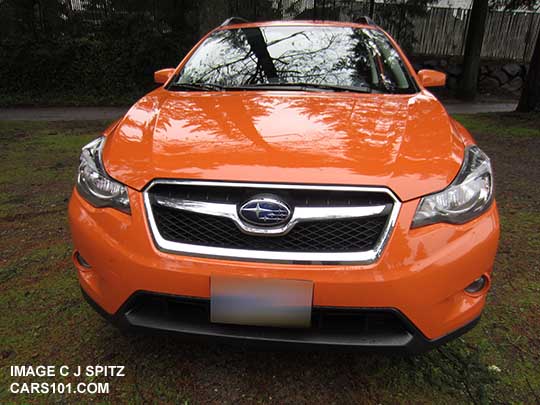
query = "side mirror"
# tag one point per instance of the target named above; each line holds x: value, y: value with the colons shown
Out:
x: 431, y: 78
x: 161, y: 76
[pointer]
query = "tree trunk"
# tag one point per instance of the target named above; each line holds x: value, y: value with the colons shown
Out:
x: 473, y: 49
x: 530, y: 94
x: 371, y: 8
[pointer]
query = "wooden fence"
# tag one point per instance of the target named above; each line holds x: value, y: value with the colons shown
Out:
x: 508, y: 35
x: 441, y: 32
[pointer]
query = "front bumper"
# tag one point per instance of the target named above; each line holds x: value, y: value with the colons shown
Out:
x: 378, y: 329
x: 420, y: 276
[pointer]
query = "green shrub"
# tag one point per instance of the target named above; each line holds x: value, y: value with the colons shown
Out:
x: 114, y: 64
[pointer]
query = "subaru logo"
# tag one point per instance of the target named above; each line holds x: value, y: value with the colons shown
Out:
x: 265, y: 211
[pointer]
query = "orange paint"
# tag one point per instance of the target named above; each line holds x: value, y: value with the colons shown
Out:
x: 406, y: 142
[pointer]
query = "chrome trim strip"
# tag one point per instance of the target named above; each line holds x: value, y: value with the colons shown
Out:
x: 229, y: 210
x: 299, y: 214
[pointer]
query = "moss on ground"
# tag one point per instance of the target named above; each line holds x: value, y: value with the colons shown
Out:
x: 502, y: 124
x: 45, y: 321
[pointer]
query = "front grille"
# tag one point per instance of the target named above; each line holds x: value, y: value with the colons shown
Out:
x: 346, y: 235
x: 210, y: 232
x: 295, y: 197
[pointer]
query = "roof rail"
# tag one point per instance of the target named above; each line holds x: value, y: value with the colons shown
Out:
x: 365, y: 20
x: 233, y: 20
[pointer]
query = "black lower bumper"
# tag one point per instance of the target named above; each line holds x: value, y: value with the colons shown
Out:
x: 378, y: 329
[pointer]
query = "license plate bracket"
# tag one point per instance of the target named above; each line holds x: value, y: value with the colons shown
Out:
x: 261, y: 302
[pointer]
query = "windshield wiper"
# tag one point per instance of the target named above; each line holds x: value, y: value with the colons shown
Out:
x: 301, y: 86
x: 196, y: 86
x: 308, y: 86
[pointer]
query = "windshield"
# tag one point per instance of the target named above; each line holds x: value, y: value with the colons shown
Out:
x: 330, y: 58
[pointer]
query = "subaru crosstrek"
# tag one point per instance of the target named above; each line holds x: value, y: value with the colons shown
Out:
x: 289, y: 182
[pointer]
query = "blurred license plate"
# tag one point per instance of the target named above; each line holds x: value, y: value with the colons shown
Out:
x: 261, y: 302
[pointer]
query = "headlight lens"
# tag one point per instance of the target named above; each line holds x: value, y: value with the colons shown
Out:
x: 467, y: 197
x: 95, y: 185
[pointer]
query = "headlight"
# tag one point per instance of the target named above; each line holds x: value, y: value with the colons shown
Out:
x: 467, y: 197
x: 95, y: 185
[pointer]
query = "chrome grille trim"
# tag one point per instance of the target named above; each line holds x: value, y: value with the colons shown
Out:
x: 299, y: 214
x: 311, y: 213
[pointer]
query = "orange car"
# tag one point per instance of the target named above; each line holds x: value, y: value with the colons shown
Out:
x: 289, y: 182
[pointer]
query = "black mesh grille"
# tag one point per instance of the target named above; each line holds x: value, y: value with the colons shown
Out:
x: 347, y: 235
x: 339, y: 322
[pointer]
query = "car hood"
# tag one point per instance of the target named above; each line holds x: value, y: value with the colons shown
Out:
x: 405, y: 142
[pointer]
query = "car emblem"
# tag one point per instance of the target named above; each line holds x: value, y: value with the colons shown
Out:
x: 265, y: 211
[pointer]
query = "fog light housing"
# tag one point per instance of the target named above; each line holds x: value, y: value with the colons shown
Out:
x: 477, y: 285
x: 82, y: 261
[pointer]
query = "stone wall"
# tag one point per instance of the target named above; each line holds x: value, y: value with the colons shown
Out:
x: 498, y: 78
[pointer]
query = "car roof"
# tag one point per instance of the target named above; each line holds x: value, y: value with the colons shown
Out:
x: 297, y: 23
